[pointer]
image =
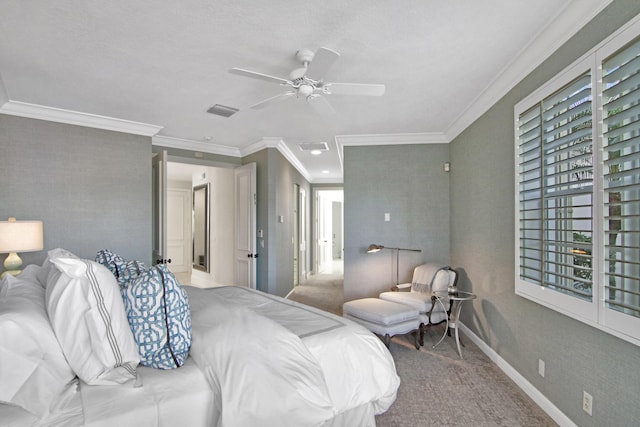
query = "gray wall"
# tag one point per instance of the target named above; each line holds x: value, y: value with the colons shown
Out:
x: 275, y: 180
x: 90, y: 187
x: 578, y: 357
x: 408, y: 182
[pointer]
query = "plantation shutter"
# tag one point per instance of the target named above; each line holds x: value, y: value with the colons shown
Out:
x: 621, y: 158
x: 556, y: 191
x: 530, y: 154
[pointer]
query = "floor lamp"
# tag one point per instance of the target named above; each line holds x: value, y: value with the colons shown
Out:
x: 377, y: 248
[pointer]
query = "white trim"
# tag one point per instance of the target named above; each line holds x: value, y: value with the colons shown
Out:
x: 278, y: 143
x: 261, y: 144
x: 188, y: 144
x: 540, y: 399
x: 392, y: 139
x: 543, y: 45
x: 41, y: 112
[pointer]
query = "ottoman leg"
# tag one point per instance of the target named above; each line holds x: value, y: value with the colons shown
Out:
x: 386, y: 340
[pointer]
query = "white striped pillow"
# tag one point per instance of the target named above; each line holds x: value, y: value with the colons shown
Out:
x: 87, y: 315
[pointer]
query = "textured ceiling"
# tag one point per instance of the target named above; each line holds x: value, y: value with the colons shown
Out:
x: 165, y: 63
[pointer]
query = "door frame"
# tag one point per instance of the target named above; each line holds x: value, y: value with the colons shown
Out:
x: 157, y: 193
x: 317, y: 214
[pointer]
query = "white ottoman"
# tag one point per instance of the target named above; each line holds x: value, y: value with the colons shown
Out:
x: 384, y: 318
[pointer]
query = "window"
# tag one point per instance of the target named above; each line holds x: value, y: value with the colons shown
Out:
x: 578, y: 189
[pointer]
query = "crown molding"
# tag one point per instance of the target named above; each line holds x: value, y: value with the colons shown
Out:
x: 41, y: 112
x: 567, y: 22
x: 201, y: 146
x: 392, y: 139
x: 261, y: 144
x: 277, y: 143
x: 339, y: 181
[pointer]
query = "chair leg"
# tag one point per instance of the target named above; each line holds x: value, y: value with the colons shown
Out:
x: 421, y: 331
x: 416, y: 336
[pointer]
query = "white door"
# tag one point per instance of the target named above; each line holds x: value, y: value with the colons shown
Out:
x: 179, y: 229
x: 245, y: 250
x: 159, y: 214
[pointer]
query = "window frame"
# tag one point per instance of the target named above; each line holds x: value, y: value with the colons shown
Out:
x: 595, y: 312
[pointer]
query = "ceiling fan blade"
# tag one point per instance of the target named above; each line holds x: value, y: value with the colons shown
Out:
x: 259, y: 76
x: 355, y: 89
x: 321, y: 105
x: 323, y: 60
x: 274, y: 99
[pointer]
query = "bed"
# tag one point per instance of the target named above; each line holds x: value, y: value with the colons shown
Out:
x: 254, y: 359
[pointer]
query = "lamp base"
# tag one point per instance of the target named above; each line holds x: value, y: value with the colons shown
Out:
x: 12, y: 265
x: 11, y: 272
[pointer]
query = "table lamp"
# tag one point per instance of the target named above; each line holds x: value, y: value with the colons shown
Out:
x: 19, y: 236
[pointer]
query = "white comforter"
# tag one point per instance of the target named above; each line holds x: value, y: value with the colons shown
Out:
x: 256, y: 360
x: 276, y: 362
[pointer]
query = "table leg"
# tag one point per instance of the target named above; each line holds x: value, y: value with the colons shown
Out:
x: 457, y: 327
x: 446, y: 329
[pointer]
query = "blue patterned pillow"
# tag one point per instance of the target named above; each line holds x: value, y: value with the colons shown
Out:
x: 121, y: 268
x: 158, y: 312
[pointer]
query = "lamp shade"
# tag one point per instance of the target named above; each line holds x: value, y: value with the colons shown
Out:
x: 20, y: 236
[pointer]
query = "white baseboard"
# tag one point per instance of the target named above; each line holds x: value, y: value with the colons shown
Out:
x: 535, y: 394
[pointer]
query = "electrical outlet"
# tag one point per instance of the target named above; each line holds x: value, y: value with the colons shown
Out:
x: 541, y: 367
x: 587, y: 402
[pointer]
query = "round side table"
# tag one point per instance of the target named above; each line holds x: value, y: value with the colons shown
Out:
x: 457, y: 299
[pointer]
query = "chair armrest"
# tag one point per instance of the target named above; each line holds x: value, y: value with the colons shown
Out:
x: 402, y: 287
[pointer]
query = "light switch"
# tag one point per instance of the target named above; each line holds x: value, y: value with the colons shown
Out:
x: 387, y: 217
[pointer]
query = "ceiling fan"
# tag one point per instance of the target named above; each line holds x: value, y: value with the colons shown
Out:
x: 307, y: 82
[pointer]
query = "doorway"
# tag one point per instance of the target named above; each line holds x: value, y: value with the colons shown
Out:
x: 225, y: 231
x: 329, y: 230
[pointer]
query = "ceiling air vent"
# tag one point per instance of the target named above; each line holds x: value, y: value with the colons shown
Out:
x: 314, y: 146
x: 222, y: 110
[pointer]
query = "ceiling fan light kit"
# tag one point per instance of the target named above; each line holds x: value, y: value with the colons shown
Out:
x: 307, y: 82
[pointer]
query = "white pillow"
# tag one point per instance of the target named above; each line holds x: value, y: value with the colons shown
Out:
x: 87, y: 315
x: 43, y: 273
x: 33, y: 369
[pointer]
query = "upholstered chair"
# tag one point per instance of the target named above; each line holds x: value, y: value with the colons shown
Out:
x: 427, y: 278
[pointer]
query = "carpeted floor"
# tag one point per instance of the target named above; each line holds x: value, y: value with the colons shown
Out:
x: 324, y: 291
x: 437, y: 387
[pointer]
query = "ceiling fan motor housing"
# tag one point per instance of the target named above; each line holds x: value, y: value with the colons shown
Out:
x: 305, y: 56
